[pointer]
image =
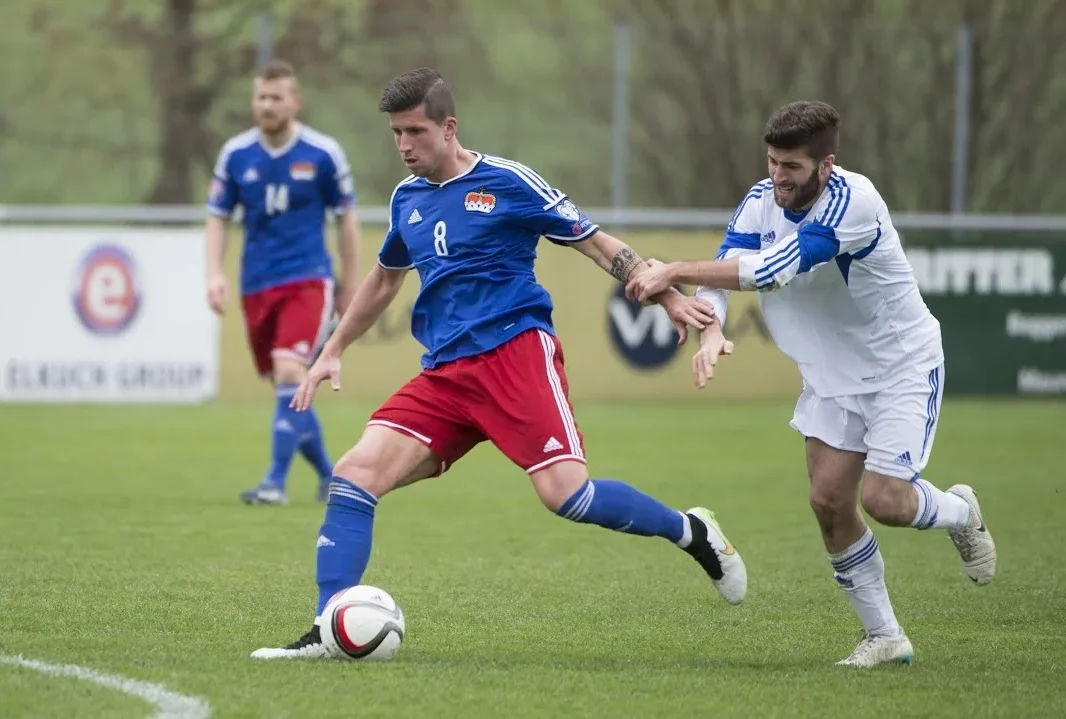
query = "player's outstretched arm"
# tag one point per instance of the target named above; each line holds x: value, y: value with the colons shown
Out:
x: 853, y: 229
x: 624, y: 264
x: 764, y: 271
x: 375, y: 294
x: 710, y: 274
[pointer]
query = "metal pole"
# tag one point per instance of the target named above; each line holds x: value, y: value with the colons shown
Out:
x: 963, y: 92
x: 620, y: 120
x: 265, y: 45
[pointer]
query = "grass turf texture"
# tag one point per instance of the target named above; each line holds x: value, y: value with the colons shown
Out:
x: 125, y: 550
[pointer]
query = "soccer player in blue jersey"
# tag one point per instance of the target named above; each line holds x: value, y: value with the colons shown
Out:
x: 469, y: 224
x: 286, y: 176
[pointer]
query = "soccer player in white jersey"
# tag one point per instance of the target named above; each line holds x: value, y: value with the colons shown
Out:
x: 817, y: 243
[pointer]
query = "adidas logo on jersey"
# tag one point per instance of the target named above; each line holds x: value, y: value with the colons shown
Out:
x: 415, y: 217
x: 904, y: 459
x: 552, y: 445
x: 324, y: 541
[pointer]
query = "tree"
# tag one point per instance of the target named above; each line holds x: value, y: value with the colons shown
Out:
x: 710, y: 74
x: 189, y: 71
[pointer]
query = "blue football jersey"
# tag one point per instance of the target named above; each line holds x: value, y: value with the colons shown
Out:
x: 473, y: 241
x: 284, y: 193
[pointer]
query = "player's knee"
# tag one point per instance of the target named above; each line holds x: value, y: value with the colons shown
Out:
x: 557, y: 483
x: 288, y: 371
x: 363, y: 468
x: 829, y: 506
x: 881, y: 497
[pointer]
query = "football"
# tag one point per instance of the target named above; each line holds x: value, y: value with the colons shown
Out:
x: 362, y: 623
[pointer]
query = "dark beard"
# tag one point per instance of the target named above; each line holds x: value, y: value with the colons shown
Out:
x: 804, y: 194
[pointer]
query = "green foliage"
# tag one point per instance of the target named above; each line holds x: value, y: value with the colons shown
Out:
x: 128, y: 100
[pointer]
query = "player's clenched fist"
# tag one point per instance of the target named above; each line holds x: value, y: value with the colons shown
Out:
x: 711, y: 348
x: 327, y: 365
x: 217, y: 293
x: 656, y: 278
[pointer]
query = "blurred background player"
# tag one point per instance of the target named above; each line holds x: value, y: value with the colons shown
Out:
x: 493, y: 370
x: 839, y: 297
x: 285, y: 176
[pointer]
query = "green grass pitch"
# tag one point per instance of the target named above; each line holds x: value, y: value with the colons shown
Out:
x: 123, y: 549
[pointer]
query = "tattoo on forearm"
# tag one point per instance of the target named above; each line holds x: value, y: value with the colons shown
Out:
x: 623, y: 263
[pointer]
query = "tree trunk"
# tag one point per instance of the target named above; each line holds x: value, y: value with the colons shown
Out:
x: 173, y: 73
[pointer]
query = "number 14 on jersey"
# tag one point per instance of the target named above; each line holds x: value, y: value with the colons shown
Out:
x: 277, y: 198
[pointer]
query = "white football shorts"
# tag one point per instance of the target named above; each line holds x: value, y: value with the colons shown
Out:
x: 894, y: 427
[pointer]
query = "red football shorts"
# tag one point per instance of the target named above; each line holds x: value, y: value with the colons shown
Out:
x: 515, y: 396
x: 289, y: 320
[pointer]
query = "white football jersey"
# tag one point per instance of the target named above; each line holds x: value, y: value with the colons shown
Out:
x: 835, y: 287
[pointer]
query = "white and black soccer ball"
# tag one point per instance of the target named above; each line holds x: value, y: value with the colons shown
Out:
x: 362, y: 623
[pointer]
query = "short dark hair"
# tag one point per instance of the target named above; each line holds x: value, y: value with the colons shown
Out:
x: 276, y: 69
x: 809, y: 124
x: 422, y: 87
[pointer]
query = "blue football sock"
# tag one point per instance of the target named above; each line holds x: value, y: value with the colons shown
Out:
x: 616, y: 505
x: 313, y: 446
x: 344, y: 540
x: 285, y: 436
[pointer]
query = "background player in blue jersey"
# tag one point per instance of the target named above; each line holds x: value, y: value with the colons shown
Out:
x: 493, y: 368
x: 285, y: 176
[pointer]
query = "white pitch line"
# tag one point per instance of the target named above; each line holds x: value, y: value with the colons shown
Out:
x: 171, y: 705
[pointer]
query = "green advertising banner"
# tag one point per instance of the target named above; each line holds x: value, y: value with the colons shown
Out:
x: 1001, y: 302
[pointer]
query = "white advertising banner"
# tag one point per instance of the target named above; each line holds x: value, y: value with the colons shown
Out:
x: 105, y: 315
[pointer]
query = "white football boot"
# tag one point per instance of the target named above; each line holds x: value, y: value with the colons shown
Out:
x: 264, y: 494
x: 974, y: 542
x: 718, y: 557
x: 873, y: 651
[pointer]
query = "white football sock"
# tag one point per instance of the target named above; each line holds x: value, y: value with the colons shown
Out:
x: 860, y: 571
x: 938, y: 510
x: 686, y: 533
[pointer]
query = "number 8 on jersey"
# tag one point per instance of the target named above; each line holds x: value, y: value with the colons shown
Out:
x: 440, y: 238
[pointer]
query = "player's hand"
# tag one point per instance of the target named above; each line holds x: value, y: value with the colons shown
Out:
x: 686, y: 312
x: 712, y: 346
x: 327, y: 365
x: 653, y: 280
x: 217, y: 292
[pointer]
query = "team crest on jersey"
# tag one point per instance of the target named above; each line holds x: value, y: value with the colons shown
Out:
x: 566, y: 209
x: 302, y: 171
x: 480, y: 201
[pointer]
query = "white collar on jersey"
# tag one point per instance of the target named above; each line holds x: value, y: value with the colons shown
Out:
x: 276, y: 152
x: 477, y: 159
